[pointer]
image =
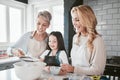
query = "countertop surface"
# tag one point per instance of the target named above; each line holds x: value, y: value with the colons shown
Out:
x: 9, y: 59
x: 44, y: 76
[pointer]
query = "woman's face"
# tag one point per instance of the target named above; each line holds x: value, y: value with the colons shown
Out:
x: 42, y: 25
x: 53, y: 43
x: 76, y: 23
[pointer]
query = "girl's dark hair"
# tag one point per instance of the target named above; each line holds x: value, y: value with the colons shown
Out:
x: 60, y: 40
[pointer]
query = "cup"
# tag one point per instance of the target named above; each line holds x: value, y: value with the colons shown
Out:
x: 73, y: 76
x: 55, y: 70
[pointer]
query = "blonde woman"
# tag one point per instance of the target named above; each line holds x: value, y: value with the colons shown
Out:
x: 88, y: 53
x: 33, y: 43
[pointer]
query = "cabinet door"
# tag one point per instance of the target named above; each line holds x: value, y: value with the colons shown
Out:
x: 8, y: 74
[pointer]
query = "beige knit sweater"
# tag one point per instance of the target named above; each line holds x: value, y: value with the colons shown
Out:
x: 86, y: 63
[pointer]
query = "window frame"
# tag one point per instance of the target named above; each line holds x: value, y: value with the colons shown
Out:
x: 42, y: 5
x: 18, y: 5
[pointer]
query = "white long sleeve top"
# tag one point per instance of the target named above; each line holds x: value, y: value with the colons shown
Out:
x: 29, y: 45
x: 62, y: 56
x: 86, y: 63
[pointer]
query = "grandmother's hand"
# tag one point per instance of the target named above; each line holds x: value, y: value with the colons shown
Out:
x: 18, y: 52
x: 47, y: 69
x: 67, y: 67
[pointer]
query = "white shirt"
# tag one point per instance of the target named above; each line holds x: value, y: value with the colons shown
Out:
x: 36, y: 48
x: 79, y: 53
x: 29, y: 45
x: 85, y: 62
x: 62, y: 56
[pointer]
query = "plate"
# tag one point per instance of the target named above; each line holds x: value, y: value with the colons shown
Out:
x: 28, y: 59
x: 2, y: 56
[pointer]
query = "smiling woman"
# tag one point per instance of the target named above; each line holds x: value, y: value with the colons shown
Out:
x: 33, y: 43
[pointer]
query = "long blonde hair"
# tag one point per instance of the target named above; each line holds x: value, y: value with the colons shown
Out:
x: 88, y: 20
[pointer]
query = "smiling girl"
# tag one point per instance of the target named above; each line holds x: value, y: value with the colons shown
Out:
x: 55, y: 48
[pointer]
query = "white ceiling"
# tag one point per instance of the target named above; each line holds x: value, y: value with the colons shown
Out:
x: 40, y: 0
x: 43, y: 2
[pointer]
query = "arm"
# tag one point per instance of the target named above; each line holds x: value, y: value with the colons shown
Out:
x: 42, y: 56
x: 21, y: 43
x: 63, y: 58
x: 97, y: 62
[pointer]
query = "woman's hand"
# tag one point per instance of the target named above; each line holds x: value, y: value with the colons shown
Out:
x: 47, y: 69
x: 67, y: 67
x: 18, y: 52
x: 62, y: 72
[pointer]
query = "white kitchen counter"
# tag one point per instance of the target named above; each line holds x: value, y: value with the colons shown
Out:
x: 7, y: 63
x: 10, y: 75
x: 9, y: 59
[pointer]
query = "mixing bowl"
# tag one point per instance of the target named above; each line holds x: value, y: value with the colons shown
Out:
x: 28, y: 70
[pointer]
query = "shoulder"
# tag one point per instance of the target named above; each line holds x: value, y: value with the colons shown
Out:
x: 46, y: 51
x: 62, y: 52
x: 98, y: 40
x: 75, y: 36
x: 27, y: 34
x: 24, y: 37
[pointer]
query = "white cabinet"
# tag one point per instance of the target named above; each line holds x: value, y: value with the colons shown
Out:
x: 8, y: 74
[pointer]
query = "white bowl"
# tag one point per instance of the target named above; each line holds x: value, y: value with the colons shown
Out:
x: 28, y: 70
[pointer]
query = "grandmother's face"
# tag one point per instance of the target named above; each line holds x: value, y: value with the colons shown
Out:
x: 42, y: 25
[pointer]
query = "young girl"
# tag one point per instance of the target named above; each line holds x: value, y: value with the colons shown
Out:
x: 55, y: 50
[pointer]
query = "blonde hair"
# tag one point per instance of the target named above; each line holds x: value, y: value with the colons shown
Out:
x: 46, y: 15
x: 88, y: 20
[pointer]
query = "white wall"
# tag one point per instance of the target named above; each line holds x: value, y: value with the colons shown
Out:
x: 108, y: 16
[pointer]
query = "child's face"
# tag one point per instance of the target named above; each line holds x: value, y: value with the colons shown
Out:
x: 53, y: 43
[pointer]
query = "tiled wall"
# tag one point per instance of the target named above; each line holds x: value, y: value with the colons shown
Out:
x: 108, y: 16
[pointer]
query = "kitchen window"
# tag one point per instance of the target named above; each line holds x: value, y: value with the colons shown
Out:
x: 57, y: 18
x: 3, y: 35
x: 12, y: 22
x: 12, y: 26
x: 56, y: 8
x: 15, y: 17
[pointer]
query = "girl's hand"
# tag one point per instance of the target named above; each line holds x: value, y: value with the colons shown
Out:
x: 67, y: 67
